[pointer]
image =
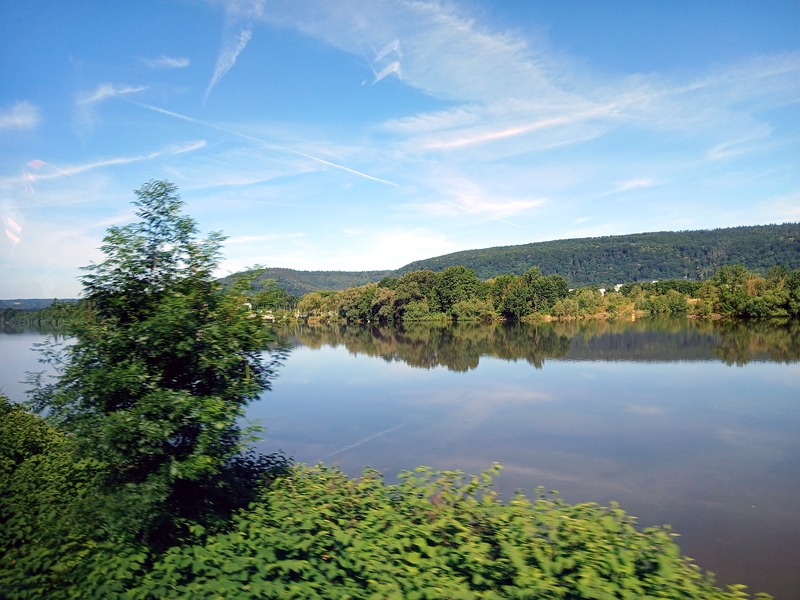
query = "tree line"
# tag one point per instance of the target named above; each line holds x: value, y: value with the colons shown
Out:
x: 457, y: 293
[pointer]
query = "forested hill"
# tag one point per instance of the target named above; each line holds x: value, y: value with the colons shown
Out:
x: 299, y: 283
x: 636, y: 257
x: 29, y: 304
x: 593, y: 261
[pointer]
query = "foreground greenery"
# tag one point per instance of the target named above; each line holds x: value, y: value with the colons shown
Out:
x: 310, y: 532
x: 458, y: 294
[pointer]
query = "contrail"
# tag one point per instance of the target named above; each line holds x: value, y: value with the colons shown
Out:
x: 365, y: 440
x: 263, y: 142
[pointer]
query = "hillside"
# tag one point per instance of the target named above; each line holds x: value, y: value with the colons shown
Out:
x: 29, y: 304
x: 635, y: 257
x: 299, y: 283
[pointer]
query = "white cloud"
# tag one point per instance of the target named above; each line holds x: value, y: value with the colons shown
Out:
x: 122, y: 160
x: 393, y: 67
x: 166, y: 62
x: 632, y: 184
x: 736, y: 148
x: 22, y: 115
x: 456, y: 194
x: 108, y: 90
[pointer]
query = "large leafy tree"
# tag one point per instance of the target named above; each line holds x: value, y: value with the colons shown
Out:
x: 163, y: 363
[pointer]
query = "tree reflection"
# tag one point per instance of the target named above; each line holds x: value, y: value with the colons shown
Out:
x: 460, y: 346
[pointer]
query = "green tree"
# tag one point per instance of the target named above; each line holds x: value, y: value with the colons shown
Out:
x: 161, y: 369
x: 457, y: 284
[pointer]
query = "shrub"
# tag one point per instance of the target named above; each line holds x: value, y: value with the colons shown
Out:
x: 473, y: 310
x: 566, y: 308
x: 417, y: 311
x: 318, y: 534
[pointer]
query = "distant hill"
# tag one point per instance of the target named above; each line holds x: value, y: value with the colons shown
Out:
x: 299, y: 283
x: 636, y: 257
x: 30, y: 304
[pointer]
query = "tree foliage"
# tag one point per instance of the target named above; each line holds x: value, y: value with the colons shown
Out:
x: 455, y: 293
x: 163, y: 363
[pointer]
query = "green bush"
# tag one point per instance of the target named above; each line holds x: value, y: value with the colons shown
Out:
x: 566, y: 308
x: 588, y: 300
x: 473, y: 310
x: 417, y: 311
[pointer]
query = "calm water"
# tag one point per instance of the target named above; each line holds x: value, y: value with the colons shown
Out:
x: 692, y: 424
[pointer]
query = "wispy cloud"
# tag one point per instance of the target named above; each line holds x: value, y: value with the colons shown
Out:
x: 237, y: 32
x: 232, y: 46
x: 123, y: 160
x: 632, y: 184
x: 736, y: 148
x: 393, y: 67
x: 108, y: 90
x: 391, y: 47
x: 267, y: 144
x: 510, y: 88
x: 70, y: 170
x: 22, y: 115
x: 166, y: 62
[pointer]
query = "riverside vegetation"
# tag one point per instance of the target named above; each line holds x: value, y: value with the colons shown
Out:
x: 457, y: 294
x: 138, y: 482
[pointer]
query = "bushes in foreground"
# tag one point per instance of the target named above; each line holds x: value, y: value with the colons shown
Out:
x: 315, y: 533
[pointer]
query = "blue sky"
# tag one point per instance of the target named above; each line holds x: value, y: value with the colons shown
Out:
x: 364, y: 134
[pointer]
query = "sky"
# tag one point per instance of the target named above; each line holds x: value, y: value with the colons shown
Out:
x: 365, y: 134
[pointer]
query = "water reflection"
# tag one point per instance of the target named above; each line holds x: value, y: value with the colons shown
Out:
x: 460, y: 346
x: 53, y: 331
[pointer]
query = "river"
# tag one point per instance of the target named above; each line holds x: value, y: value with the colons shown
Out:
x: 692, y: 424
